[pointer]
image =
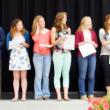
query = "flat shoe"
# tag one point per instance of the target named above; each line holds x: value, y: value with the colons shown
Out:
x: 38, y: 98
x: 45, y: 98
x: 84, y: 97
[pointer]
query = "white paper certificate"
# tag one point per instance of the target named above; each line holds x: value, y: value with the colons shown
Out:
x: 69, y: 42
x: 87, y: 49
x: 12, y: 45
x: 15, y: 42
x: 46, y: 45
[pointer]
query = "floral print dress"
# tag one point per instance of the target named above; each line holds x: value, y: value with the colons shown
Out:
x: 19, y: 59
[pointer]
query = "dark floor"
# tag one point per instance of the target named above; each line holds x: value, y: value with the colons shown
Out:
x: 30, y: 95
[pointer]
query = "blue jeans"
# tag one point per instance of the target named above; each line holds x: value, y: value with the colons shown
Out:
x: 42, y: 64
x: 87, y: 67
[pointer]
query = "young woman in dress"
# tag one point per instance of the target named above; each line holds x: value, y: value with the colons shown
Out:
x: 19, y: 60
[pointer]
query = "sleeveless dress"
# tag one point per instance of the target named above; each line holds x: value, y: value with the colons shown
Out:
x: 19, y: 59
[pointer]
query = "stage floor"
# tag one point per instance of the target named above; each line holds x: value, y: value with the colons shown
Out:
x: 74, y: 104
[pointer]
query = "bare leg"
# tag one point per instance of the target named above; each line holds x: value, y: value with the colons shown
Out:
x: 16, y: 76
x: 59, y: 97
x: 66, y: 93
x: 24, y: 84
x: 108, y: 90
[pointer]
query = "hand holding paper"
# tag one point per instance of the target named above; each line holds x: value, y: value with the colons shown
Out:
x: 87, y: 49
x: 69, y: 42
x: 46, y: 45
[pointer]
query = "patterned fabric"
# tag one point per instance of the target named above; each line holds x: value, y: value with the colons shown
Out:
x: 60, y: 34
x: 19, y: 59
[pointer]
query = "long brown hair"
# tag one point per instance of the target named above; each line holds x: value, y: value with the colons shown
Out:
x: 13, y: 27
x: 58, y: 21
x: 34, y: 24
x: 82, y: 23
x: 106, y: 24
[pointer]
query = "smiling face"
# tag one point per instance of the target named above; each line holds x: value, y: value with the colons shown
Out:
x: 64, y: 19
x: 60, y: 21
x: 41, y: 22
x: 88, y: 23
x: 19, y: 26
x: 107, y: 23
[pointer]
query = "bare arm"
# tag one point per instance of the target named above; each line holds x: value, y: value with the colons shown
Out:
x: 69, y: 30
x: 25, y: 44
x: 104, y: 42
x: 53, y: 39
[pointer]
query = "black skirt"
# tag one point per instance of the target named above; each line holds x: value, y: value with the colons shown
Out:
x: 106, y: 68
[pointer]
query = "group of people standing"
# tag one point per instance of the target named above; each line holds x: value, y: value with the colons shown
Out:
x: 53, y: 39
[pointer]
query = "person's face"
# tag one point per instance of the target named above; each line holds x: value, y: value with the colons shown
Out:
x: 88, y: 23
x: 41, y: 23
x: 64, y: 19
x: 108, y: 22
x: 19, y: 26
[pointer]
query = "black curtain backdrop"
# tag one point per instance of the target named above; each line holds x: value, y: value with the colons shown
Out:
x: 76, y: 9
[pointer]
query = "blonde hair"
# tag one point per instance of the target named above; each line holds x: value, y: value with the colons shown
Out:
x: 58, y: 21
x: 13, y: 27
x: 82, y: 23
x: 35, y: 21
x: 106, y: 24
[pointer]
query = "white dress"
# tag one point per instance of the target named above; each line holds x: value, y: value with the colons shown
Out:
x: 19, y: 59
